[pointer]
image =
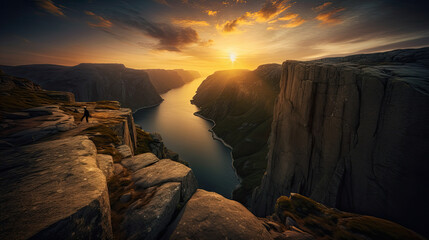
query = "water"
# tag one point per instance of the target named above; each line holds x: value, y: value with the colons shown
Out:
x: 189, y: 136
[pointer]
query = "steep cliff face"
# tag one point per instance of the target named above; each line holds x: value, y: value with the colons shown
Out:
x: 241, y: 103
x: 352, y: 133
x: 72, y: 184
x: 93, y: 82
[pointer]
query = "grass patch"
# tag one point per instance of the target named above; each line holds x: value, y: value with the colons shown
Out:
x: 111, y: 105
x: 143, y: 140
x: 105, y: 140
x: 20, y: 99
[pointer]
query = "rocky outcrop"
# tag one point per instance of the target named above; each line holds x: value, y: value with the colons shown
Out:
x: 93, y: 82
x: 165, y: 184
x: 164, y: 171
x: 158, y: 148
x: 147, y: 221
x: 208, y: 215
x: 352, y: 133
x: 307, y: 219
x: 54, y: 190
x: 165, y: 80
x: 30, y: 125
x: 241, y: 103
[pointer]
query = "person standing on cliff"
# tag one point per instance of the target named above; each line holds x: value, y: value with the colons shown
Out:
x: 85, y: 114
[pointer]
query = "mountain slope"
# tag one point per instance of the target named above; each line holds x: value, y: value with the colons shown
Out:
x: 241, y: 103
x: 93, y: 82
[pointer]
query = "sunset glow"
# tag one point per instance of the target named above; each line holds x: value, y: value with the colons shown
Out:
x: 197, y: 34
x: 232, y: 57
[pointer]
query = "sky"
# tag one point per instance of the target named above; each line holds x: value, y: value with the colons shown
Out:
x: 204, y: 35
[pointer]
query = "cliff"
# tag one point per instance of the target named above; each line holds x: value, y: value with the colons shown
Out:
x: 93, y: 82
x: 165, y: 80
x: 241, y: 103
x: 352, y: 133
x: 102, y: 180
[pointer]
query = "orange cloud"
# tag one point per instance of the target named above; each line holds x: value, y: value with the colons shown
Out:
x: 50, y: 7
x: 288, y: 17
x: 293, y: 23
x: 186, y: 22
x: 231, y: 26
x: 101, y: 22
x: 330, y: 17
x: 269, y: 10
x: 321, y: 7
x: 211, y: 13
x: 293, y: 20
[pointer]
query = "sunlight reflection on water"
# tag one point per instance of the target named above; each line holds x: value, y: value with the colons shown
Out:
x: 188, y: 135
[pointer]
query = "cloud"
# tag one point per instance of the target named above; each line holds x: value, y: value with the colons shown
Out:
x: 330, y: 17
x: 211, y: 13
x: 50, y: 7
x: 187, y: 22
x: 170, y: 37
x: 207, y: 43
x: 231, y: 26
x: 293, y: 19
x: 163, y: 2
x: 101, y: 22
x: 270, y: 10
x: 322, y: 6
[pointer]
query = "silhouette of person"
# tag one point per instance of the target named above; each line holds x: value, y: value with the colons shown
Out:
x: 85, y: 114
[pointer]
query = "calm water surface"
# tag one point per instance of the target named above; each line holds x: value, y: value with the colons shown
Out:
x: 189, y: 136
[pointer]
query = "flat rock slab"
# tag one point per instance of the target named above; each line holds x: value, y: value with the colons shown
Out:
x: 140, y: 161
x: 40, y: 122
x: 208, y: 215
x: 147, y: 221
x: 164, y: 171
x: 53, y: 190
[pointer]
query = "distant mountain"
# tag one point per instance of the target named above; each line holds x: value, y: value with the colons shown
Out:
x: 187, y: 75
x: 165, y: 80
x: 93, y: 82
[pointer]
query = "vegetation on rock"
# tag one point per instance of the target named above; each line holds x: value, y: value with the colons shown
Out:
x: 330, y: 223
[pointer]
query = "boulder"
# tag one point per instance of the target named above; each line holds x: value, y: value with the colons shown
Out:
x: 117, y: 169
x: 125, y: 151
x: 140, y: 161
x: 54, y: 190
x: 208, y: 215
x: 166, y: 170
x: 105, y: 163
x: 146, y: 221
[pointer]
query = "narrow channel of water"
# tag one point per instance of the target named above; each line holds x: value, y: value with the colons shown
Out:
x: 189, y: 136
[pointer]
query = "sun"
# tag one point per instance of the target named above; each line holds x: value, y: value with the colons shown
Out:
x: 232, y: 57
